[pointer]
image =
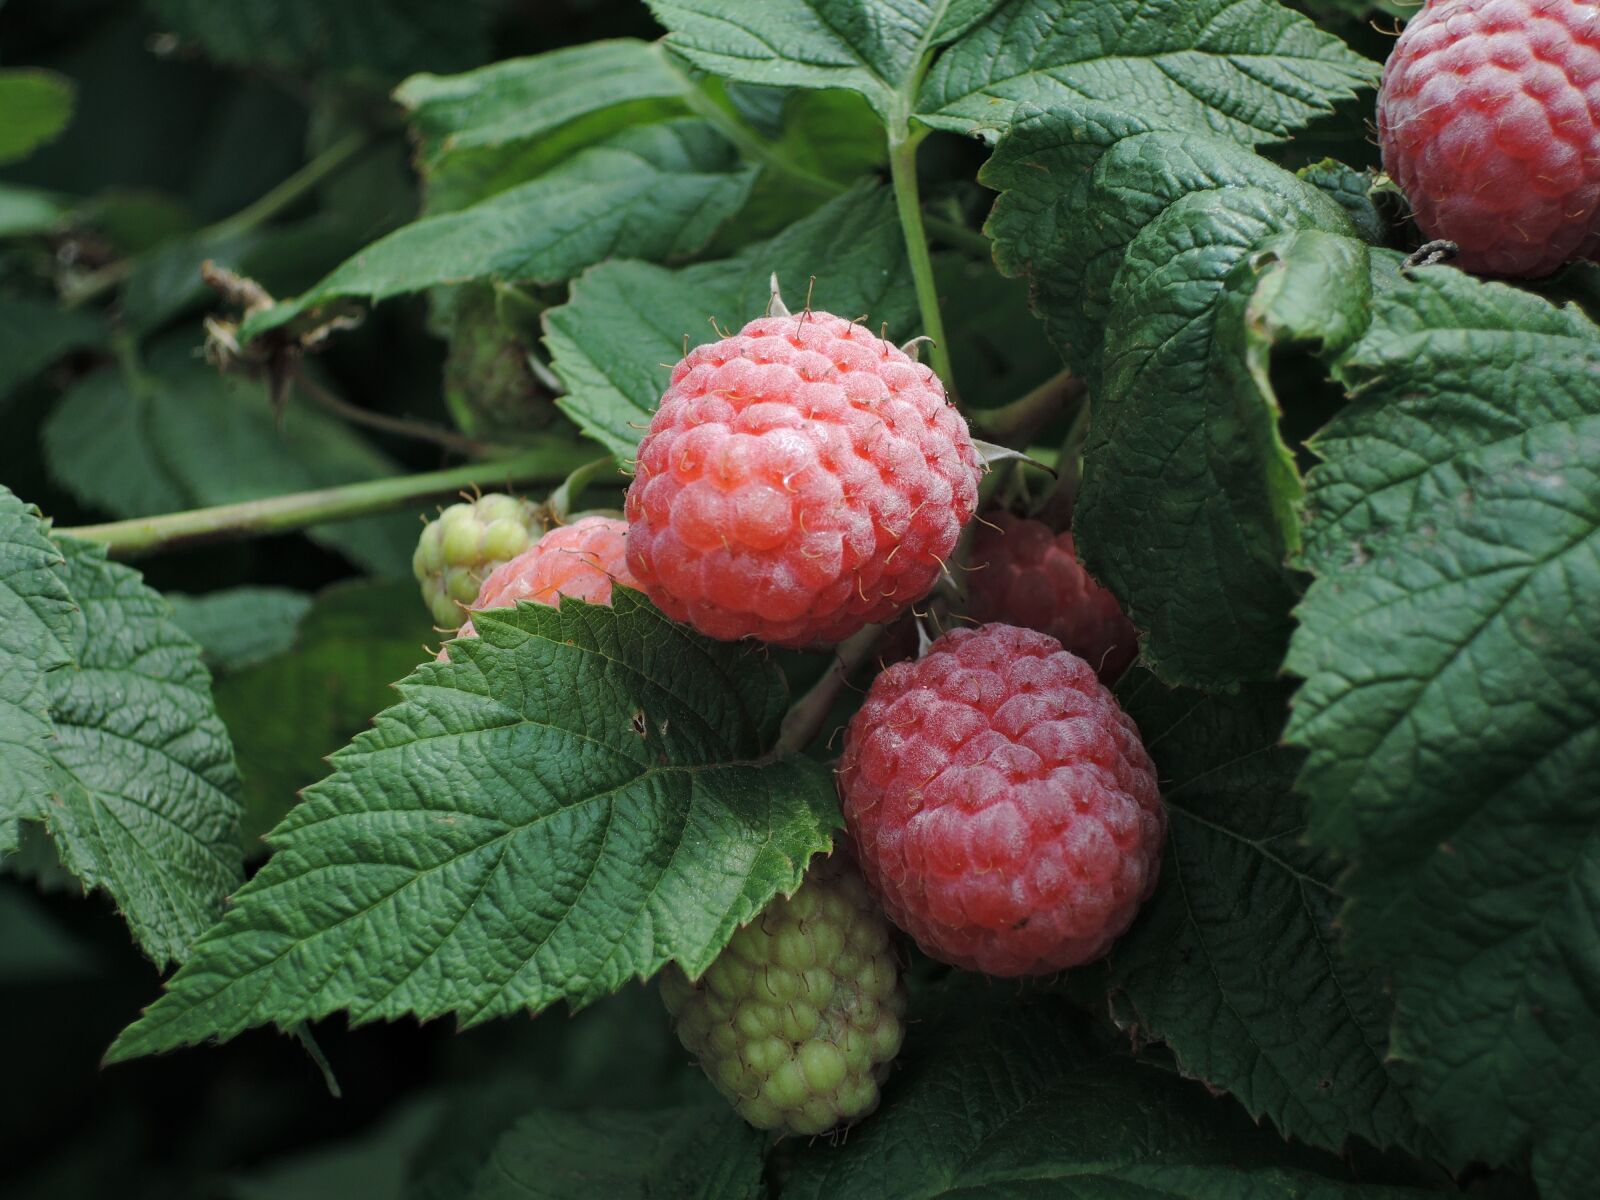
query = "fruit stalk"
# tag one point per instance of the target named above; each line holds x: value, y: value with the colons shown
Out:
x: 805, y: 716
x: 903, y: 173
x: 281, y: 514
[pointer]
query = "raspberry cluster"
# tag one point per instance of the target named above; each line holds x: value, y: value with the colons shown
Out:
x: 1002, y: 804
x: 800, y: 479
x: 799, y: 1017
x: 1489, y: 118
x: 1026, y: 574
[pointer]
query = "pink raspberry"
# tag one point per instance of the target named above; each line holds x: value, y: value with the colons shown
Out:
x: 1002, y: 805
x: 800, y: 480
x: 1030, y: 576
x: 1489, y: 118
x: 582, y: 559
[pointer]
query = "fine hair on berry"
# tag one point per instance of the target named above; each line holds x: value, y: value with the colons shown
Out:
x: 1489, y: 119
x: 1002, y: 804
x: 583, y: 560
x: 1024, y: 573
x: 801, y: 479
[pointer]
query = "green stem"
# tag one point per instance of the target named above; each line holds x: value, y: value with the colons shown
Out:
x: 805, y: 717
x: 903, y: 173
x: 259, y: 211
x: 1015, y: 423
x: 282, y: 514
x: 262, y: 210
x: 958, y: 235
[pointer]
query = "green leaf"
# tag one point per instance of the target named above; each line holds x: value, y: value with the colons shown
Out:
x: 1234, y: 962
x: 241, y: 626
x: 502, y: 124
x: 697, y: 1152
x: 1250, y: 70
x: 372, y: 39
x: 1168, y: 267
x: 290, y: 713
x: 614, y: 342
x: 1008, y: 1101
x: 145, y: 801
x: 1450, y: 700
x: 25, y: 210
x: 182, y: 436
x: 657, y: 192
x: 1351, y: 190
x: 36, y: 636
x: 578, y: 797
x: 37, y: 105
x: 867, y: 46
x: 33, y: 334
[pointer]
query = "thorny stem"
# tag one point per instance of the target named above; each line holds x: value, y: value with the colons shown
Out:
x: 282, y: 514
x: 805, y: 717
x: 254, y: 214
x: 903, y: 173
x: 423, y: 431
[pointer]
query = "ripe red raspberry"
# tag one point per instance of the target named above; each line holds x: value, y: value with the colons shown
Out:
x: 800, y: 480
x: 1489, y: 118
x: 1027, y: 575
x: 1002, y: 805
x: 582, y: 559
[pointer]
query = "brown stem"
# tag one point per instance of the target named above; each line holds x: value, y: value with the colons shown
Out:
x: 422, y: 431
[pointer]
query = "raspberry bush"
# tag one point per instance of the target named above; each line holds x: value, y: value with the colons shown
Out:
x: 1030, y: 569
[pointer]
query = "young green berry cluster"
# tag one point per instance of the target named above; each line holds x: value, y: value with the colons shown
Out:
x: 799, y: 1017
x: 457, y: 552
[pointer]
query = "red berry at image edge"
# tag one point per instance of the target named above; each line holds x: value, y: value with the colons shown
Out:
x: 583, y: 559
x: 1489, y: 119
x: 1026, y: 574
x: 1002, y: 805
x: 800, y: 480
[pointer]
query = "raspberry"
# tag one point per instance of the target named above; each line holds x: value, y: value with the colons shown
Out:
x: 1003, y: 806
x: 798, y: 1019
x: 1489, y: 118
x: 1031, y: 577
x: 464, y: 545
x: 800, y: 480
x: 582, y: 559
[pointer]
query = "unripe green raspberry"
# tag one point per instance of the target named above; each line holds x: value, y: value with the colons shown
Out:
x: 487, y: 384
x: 799, y: 1017
x: 456, y: 552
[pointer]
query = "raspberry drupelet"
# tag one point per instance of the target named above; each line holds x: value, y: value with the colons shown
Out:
x: 800, y: 480
x: 1489, y: 118
x: 1026, y: 574
x: 1002, y: 805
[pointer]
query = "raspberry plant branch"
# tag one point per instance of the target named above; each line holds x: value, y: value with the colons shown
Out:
x: 281, y: 514
x: 804, y: 719
x: 422, y: 431
x: 903, y: 173
x: 258, y: 212
x: 1014, y: 424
